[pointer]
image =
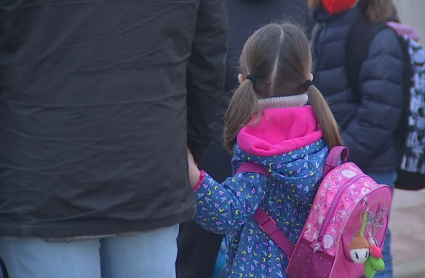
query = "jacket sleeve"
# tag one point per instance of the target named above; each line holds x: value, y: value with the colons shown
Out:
x: 378, y: 116
x: 205, y: 74
x: 223, y: 208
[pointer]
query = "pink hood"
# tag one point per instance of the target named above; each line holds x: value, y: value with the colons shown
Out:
x: 280, y: 131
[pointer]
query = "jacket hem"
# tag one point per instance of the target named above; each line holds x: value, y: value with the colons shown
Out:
x: 379, y: 169
x: 78, y: 229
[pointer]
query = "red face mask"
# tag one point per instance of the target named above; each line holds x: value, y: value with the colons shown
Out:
x: 338, y: 6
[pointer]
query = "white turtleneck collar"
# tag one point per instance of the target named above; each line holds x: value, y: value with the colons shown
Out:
x: 284, y: 101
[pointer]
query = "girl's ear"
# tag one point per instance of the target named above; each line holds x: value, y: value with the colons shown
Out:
x: 241, y: 78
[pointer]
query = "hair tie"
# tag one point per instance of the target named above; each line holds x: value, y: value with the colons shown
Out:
x: 250, y: 77
x: 307, y: 84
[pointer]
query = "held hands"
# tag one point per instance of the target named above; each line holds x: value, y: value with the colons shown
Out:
x: 194, y: 173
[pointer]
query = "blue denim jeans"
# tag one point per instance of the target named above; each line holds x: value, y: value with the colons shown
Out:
x: 149, y: 254
x: 388, y: 179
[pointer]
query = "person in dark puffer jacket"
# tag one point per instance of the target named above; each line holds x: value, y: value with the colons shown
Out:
x: 368, y: 126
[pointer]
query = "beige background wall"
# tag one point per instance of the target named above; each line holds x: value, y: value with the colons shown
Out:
x: 412, y: 12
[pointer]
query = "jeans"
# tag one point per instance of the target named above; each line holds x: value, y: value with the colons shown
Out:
x: 388, y: 179
x: 150, y: 254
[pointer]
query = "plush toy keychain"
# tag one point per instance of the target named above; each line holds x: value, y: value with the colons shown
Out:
x: 359, y: 246
x: 367, y: 252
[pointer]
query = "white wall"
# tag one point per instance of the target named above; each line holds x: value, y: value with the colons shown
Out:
x: 412, y: 12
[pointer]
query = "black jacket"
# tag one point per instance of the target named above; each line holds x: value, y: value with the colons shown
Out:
x: 93, y: 112
x: 369, y: 126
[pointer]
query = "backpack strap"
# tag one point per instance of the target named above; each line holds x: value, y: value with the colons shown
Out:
x: 269, y: 226
x: 267, y: 223
x: 332, y: 160
x: 359, y: 39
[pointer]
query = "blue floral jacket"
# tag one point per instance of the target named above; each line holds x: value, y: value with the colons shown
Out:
x: 287, y: 196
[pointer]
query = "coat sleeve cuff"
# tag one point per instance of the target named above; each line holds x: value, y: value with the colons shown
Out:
x: 201, y: 180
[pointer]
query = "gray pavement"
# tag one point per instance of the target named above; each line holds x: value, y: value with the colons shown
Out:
x: 408, y: 234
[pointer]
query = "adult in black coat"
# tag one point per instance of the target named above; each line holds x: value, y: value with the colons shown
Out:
x: 198, y: 248
x: 95, y: 98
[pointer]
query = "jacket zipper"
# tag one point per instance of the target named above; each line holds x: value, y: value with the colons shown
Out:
x: 334, y: 204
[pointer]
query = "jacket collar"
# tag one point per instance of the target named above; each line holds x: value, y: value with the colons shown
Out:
x: 322, y: 16
x: 280, y: 130
x: 284, y: 101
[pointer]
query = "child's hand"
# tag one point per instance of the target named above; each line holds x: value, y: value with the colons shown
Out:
x: 194, y: 173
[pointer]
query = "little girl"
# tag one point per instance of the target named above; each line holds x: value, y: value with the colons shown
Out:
x: 268, y: 123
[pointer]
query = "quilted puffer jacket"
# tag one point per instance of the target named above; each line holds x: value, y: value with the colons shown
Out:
x: 369, y: 127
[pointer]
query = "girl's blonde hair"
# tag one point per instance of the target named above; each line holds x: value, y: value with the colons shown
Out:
x: 279, y: 57
x: 376, y: 10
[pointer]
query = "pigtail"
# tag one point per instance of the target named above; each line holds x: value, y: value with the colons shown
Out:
x: 243, y: 106
x: 325, y: 117
x: 377, y: 10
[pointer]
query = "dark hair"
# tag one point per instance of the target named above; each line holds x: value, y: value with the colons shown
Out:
x: 376, y: 10
x: 279, y: 57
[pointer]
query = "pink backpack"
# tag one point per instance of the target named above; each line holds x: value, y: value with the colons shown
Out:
x: 347, y: 203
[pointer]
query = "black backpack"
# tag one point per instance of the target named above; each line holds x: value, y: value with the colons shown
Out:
x: 411, y: 132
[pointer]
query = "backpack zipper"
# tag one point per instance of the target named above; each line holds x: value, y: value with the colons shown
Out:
x: 335, y: 202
